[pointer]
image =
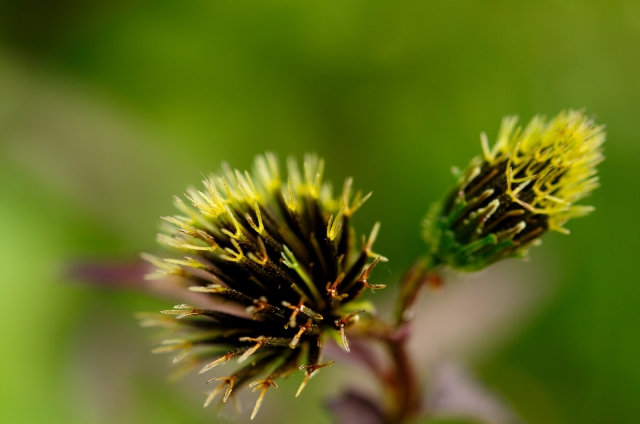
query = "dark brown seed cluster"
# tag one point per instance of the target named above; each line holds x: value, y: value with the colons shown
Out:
x: 284, y: 253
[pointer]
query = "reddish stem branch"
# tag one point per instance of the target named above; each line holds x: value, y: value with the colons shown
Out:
x: 399, y: 382
x: 407, y: 399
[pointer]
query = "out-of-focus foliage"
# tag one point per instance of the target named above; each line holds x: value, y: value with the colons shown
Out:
x: 109, y: 108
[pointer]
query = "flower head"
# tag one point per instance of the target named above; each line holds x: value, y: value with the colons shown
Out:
x: 523, y: 186
x: 284, y: 252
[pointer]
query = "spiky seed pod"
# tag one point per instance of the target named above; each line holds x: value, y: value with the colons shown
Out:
x: 523, y: 186
x: 285, y: 251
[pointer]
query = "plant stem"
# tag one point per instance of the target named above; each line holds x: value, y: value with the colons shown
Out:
x: 422, y: 272
x: 400, y: 382
x: 405, y: 389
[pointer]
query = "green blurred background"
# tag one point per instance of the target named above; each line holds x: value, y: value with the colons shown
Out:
x: 107, y: 108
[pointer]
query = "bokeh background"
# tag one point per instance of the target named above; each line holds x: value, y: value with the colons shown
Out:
x: 107, y: 108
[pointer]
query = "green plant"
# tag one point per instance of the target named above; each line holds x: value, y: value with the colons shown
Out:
x: 284, y: 253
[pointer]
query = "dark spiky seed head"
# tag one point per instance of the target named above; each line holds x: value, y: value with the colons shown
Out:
x: 284, y: 251
x: 524, y: 186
